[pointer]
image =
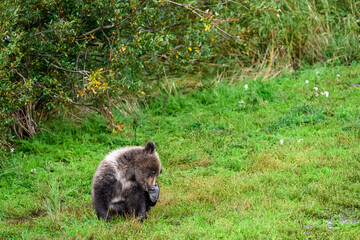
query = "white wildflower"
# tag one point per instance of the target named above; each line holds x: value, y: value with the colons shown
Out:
x: 246, y: 86
x: 307, y: 81
x: 325, y: 93
x: 281, y: 141
x: 316, y: 88
x: 299, y: 141
x: 338, y: 77
x: 12, y: 149
x: 242, y: 103
x: 33, y: 171
x: 316, y: 94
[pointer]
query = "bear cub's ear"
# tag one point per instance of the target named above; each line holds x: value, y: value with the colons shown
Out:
x: 150, y: 147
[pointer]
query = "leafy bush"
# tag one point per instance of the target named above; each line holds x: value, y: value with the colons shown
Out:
x: 56, y: 54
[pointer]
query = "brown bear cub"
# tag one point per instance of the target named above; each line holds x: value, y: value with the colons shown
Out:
x: 125, y: 182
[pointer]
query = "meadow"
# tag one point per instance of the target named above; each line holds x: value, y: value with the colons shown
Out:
x: 275, y: 159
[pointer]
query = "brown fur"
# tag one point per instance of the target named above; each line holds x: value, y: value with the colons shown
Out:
x: 122, y: 179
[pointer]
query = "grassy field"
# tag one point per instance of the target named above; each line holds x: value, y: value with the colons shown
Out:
x: 275, y: 160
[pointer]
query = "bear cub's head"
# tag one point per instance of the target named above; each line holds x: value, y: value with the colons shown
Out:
x: 147, y: 167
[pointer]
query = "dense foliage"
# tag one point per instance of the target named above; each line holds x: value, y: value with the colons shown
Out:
x: 61, y: 53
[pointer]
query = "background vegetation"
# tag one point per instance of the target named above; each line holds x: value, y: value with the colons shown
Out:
x: 57, y: 54
x: 278, y: 160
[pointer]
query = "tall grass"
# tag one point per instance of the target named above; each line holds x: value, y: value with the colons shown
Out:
x: 290, y: 34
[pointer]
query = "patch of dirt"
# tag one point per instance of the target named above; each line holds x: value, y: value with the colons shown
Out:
x: 31, y: 215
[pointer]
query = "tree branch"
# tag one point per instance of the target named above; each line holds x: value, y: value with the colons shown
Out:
x: 114, y: 25
x: 99, y: 28
x: 221, y: 31
x: 164, y: 28
x: 83, y: 72
x: 23, y: 78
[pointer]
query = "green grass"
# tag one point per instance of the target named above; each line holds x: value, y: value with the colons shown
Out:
x: 226, y: 175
